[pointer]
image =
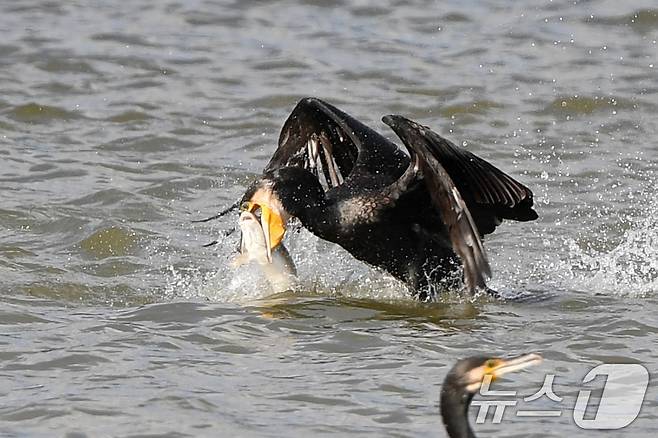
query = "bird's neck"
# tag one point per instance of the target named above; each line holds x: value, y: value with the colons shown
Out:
x: 319, y: 219
x: 454, y: 412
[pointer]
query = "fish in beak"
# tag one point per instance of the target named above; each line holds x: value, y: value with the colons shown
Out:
x: 252, y: 240
x: 275, y: 263
x: 271, y: 222
x: 496, y: 367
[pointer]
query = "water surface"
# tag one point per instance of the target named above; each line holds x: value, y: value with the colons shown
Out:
x: 120, y: 122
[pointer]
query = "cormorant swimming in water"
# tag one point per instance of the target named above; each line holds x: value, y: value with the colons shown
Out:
x: 415, y: 216
x: 464, y: 381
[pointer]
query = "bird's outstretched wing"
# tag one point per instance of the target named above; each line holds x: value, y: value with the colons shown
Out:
x: 448, y: 200
x: 490, y: 194
x: 330, y: 143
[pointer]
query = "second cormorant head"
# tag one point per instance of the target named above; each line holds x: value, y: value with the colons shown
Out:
x: 465, y: 379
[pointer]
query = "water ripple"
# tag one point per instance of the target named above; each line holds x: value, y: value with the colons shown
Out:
x: 120, y: 125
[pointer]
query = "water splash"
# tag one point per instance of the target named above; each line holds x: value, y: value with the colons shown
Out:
x: 630, y: 268
x: 323, y: 270
x: 624, y: 265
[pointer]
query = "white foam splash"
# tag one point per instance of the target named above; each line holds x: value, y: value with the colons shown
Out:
x: 628, y: 267
x: 323, y: 269
x: 226, y: 284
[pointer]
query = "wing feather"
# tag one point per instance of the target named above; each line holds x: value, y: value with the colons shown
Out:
x: 447, y: 198
x: 490, y: 193
x: 343, y: 146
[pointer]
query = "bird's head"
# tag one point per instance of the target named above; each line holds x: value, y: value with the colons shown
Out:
x: 278, y: 196
x: 465, y: 379
x: 469, y: 373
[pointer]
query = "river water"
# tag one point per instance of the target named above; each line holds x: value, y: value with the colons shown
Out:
x: 121, y: 122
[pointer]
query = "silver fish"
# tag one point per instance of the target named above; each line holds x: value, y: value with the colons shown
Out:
x: 276, y: 265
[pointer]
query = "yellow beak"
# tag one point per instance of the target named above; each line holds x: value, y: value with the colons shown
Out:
x: 494, y: 368
x: 273, y: 227
x: 502, y: 366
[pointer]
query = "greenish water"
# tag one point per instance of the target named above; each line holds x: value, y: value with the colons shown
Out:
x: 121, y: 122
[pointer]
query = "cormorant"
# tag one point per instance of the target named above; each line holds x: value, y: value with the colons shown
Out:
x: 464, y: 381
x: 414, y: 216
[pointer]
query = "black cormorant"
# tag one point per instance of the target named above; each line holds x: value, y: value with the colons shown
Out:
x: 464, y: 381
x: 415, y: 216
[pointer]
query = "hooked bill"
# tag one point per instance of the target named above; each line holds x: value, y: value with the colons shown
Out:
x: 280, y: 271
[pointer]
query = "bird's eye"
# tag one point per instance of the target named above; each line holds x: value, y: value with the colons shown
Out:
x: 244, y: 206
x: 490, y: 363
